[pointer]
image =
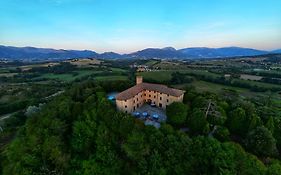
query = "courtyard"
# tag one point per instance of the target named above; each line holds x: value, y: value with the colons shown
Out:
x: 151, y: 115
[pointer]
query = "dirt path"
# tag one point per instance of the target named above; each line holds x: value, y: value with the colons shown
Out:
x: 5, y: 116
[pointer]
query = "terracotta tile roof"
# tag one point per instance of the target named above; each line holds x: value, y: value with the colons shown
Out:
x: 133, y: 91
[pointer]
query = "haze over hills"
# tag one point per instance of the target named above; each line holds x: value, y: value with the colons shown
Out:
x: 33, y: 53
x: 277, y: 51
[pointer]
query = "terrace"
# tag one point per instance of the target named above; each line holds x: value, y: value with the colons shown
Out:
x: 151, y: 115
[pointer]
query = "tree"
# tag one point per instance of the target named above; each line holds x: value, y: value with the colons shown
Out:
x: 80, y: 132
x: 221, y: 133
x: 215, y: 114
x: 32, y: 110
x: 197, y: 122
x: 177, y: 113
x: 84, y: 134
x: 261, y: 142
x: 136, y: 147
x: 207, y: 161
x: 237, y: 121
x: 237, y: 161
x: 199, y: 102
x: 274, y: 168
x: 105, y: 160
x: 270, y: 124
x: 277, y: 131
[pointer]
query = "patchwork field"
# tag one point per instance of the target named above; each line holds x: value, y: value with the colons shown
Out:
x: 250, y: 77
x: 110, y: 78
x: 165, y: 75
x: 84, y: 62
x: 205, y: 86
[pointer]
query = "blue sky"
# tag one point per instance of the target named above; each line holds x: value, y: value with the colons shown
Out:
x: 128, y: 25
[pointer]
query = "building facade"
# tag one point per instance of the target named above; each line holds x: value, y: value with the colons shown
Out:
x: 134, y: 97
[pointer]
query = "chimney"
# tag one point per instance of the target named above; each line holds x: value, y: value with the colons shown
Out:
x: 139, y: 79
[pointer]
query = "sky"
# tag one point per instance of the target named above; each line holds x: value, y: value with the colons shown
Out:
x: 128, y: 25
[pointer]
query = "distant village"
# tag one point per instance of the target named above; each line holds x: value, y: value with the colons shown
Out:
x: 143, y: 68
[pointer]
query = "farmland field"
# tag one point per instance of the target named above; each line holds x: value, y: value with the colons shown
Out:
x: 110, y: 78
x: 18, y: 82
x: 25, y: 88
x: 165, y: 75
x: 67, y: 76
x: 250, y: 77
x: 203, y: 86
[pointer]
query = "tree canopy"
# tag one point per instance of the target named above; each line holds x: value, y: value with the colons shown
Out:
x: 80, y: 132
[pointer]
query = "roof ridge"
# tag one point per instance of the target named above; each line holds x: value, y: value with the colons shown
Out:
x: 134, y: 90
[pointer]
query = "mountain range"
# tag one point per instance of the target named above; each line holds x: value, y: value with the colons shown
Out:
x: 33, y: 53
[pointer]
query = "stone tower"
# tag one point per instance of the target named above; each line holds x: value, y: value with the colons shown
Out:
x: 139, y: 79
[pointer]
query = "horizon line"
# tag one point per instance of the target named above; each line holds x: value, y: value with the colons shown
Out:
x: 54, y: 48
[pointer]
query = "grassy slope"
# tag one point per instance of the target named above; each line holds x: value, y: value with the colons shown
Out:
x: 207, y: 86
x: 110, y: 78
x: 166, y: 74
x: 68, y: 76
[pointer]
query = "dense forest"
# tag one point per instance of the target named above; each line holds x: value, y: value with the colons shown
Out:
x: 80, y: 132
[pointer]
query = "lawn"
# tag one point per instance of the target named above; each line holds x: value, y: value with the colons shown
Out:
x: 261, y: 84
x: 166, y: 75
x: 151, y: 62
x: 4, y: 70
x: 111, y: 78
x: 71, y: 76
x: 157, y: 75
x: 7, y: 74
x: 203, y: 86
x: 7, y: 69
x: 117, y: 70
x: 67, y: 76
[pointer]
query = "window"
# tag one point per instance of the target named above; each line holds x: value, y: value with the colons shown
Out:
x: 149, y: 95
x: 134, y: 108
x: 167, y: 100
x: 161, y: 93
x: 125, y: 106
x: 134, y: 101
x: 160, y: 98
x: 160, y: 105
x: 154, y: 96
x: 126, y: 112
x: 125, y: 100
x: 137, y: 105
x: 137, y: 99
x: 168, y: 95
x: 144, y: 94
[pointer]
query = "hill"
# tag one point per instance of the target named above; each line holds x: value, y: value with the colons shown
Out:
x: 30, y: 53
x: 33, y: 53
x: 203, y: 52
x: 277, y: 51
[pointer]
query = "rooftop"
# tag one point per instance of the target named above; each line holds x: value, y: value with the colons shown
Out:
x: 133, y: 91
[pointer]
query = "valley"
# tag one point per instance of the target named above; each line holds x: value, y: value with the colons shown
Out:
x: 32, y: 89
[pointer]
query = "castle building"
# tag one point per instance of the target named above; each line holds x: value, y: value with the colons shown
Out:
x: 158, y: 94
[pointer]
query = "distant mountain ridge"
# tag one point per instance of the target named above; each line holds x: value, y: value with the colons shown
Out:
x: 203, y: 52
x: 33, y: 53
x: 277, y: 51
x: 10, y: 52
